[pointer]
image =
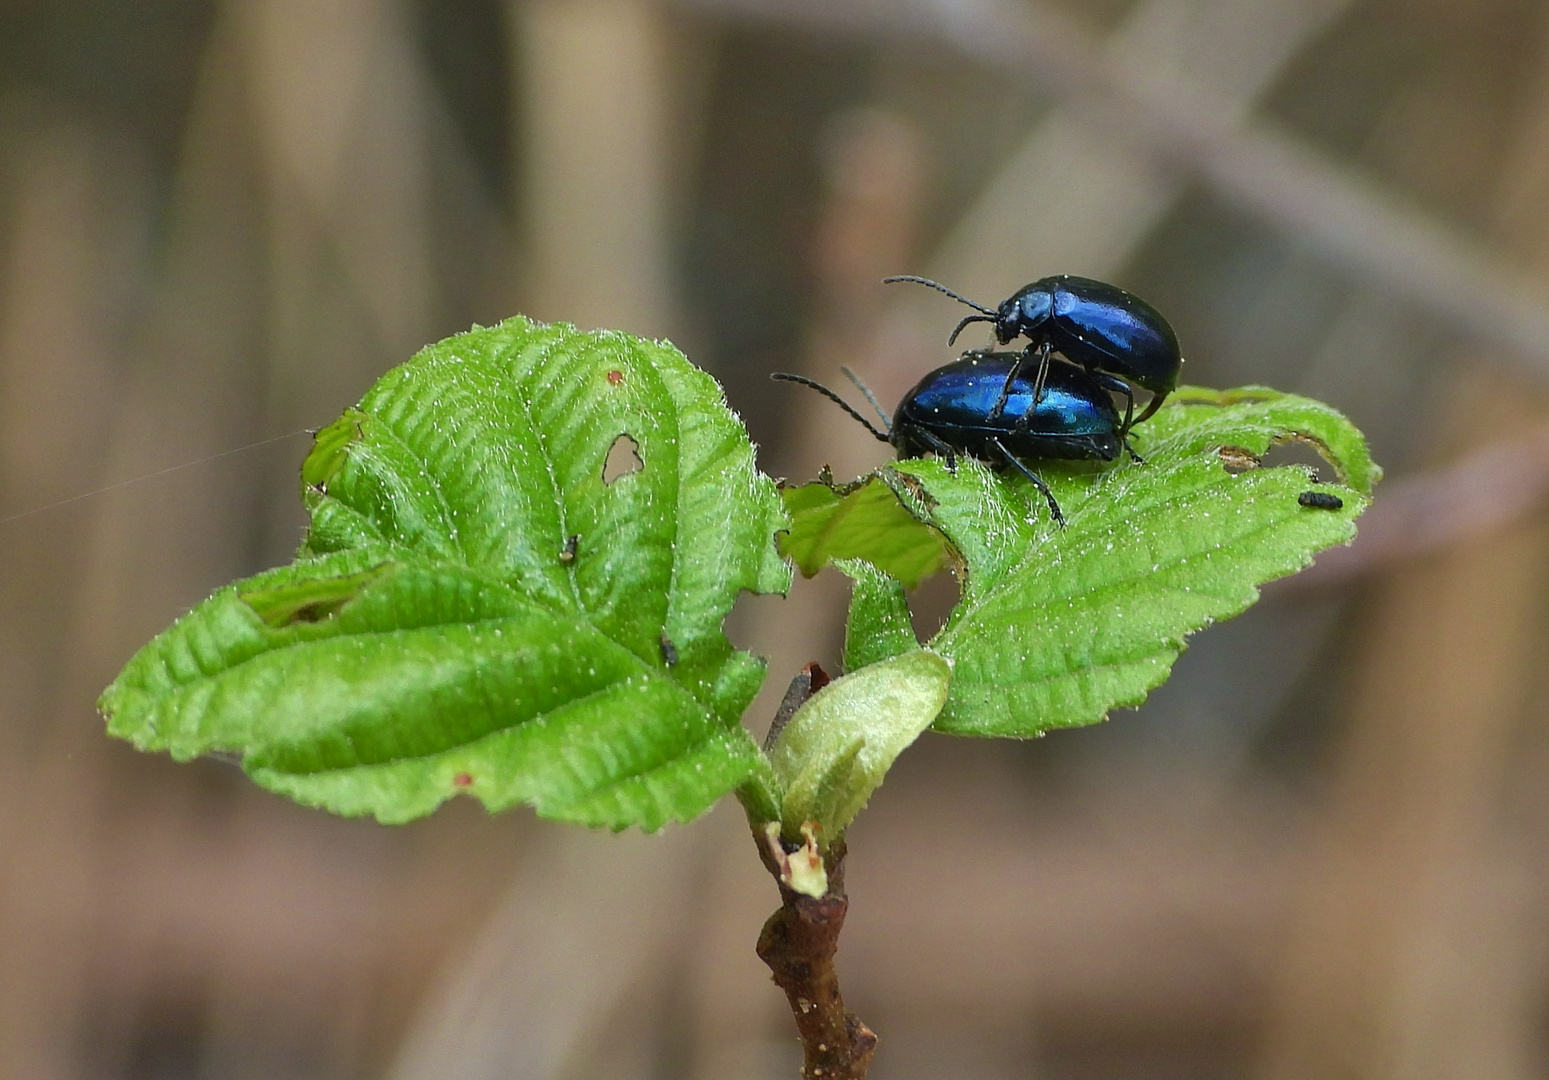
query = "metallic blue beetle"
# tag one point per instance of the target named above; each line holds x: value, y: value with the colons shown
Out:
x: 949, y: 413
x: 1094, y: 325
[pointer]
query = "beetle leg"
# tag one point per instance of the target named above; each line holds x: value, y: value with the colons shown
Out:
x: 1016, y: 463
x: 1005, y: 387
x: 1042, y: 352
x: 1136, y: 458
x: 939, y: 447
x: 1042, y: 377
x: 1151, y: 407
x: 1119, y: 386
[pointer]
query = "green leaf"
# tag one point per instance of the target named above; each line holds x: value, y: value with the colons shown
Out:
x: 309, y: 599
x: 839, y: 745
x: 1057, y: 627
x: 478, y: 610
x: 859, y: 520
x: 878, y: 626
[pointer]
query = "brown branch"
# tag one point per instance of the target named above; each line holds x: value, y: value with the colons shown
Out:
x: 798, y: 943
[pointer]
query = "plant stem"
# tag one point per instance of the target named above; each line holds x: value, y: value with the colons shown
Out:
x: 798, y: 943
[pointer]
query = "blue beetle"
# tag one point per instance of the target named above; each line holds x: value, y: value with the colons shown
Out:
x: 1094, y: 325
x: 949, y: 413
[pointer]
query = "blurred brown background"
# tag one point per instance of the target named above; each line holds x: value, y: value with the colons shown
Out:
x: 1318, y: 852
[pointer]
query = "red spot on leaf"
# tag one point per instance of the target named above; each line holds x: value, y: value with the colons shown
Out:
x: 615, y: 377
x: 462, y: 779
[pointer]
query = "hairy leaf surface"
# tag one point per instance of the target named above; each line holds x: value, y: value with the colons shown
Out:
x: 878, y: 625
x: 478, y: 609
x: 840, y: 744
x: 831, y: 522
x: 1058, y: 626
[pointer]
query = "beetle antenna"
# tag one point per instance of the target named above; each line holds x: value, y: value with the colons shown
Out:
x: 966, y: 320
x: 939, y: 287
x: 863, y: 388
x: 782, y: 376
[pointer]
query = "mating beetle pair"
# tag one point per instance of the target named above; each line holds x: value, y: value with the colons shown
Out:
x: 949, y: 413
x: 984, y: 405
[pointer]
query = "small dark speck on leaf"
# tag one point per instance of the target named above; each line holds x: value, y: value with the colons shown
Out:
x: 462, y: 779
x: 622, y: 460
x: 567, y: 553
x: 1320, y: 500
x: 669, y: 651
x: 615, y: 377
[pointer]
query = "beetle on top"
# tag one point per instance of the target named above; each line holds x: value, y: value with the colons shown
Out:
x: 1113, y: 334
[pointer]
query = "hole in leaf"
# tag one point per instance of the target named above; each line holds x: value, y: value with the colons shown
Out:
x: 1296, y: 451
x: 623, y: 459
x: 932, y: 603
x: 790, y: 633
